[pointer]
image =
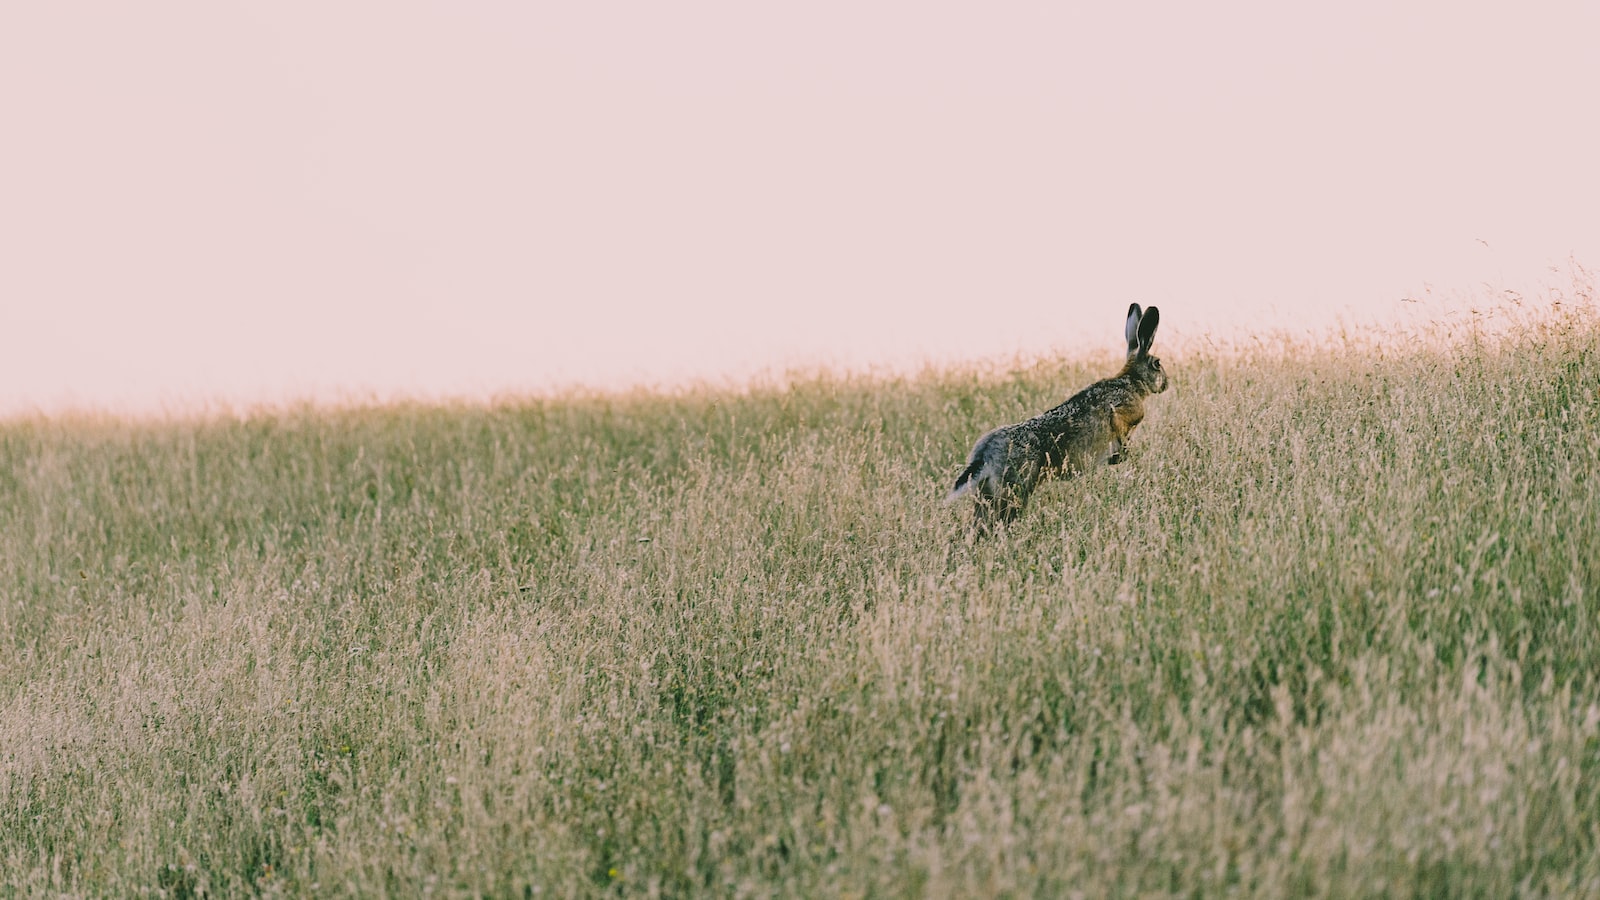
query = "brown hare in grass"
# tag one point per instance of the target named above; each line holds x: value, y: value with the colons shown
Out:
x: 1091, y: 428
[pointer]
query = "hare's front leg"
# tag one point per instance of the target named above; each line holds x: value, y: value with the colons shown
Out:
x: 1120, y: 433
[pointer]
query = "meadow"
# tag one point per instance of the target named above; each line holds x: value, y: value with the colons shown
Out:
x: 1331, y: 630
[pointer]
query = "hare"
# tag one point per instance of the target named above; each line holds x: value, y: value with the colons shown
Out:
x: 1091, y: 428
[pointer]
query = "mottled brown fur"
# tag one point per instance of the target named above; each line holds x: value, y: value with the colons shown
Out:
x: 1090, y: 428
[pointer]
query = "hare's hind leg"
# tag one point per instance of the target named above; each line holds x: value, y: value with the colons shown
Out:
x: 998, y: 501
x: 989, y: 511
x: 990, y: 501
x: 1004, y: 498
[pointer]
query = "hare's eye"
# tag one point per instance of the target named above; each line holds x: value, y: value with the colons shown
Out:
x: 1156, y: 363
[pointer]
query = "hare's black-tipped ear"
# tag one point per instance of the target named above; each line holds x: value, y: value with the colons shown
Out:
x: 1147, y: 329
x: 1130, y: 331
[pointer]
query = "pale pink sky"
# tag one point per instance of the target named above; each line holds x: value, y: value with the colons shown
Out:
x: 247, y: 200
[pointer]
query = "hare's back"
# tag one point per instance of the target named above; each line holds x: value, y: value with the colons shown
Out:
x: 1079, y: 430
x: 992, y: 447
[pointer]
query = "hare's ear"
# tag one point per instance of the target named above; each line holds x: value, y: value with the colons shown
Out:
x: 1131, y: 331
x: 1147, y: 329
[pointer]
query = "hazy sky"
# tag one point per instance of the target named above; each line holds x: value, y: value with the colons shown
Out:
x: 246, y: 200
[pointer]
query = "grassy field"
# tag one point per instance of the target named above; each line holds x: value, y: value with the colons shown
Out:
x: 1331, y: 630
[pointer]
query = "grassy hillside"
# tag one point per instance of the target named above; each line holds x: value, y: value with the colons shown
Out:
x: 1332, y: 629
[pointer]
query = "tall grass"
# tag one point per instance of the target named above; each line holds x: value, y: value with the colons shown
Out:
x: 1331, y: 630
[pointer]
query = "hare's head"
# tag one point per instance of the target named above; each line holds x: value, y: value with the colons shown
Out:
x: 1143, y: 369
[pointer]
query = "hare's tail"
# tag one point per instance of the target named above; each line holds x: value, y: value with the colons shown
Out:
x: 967, y: 480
